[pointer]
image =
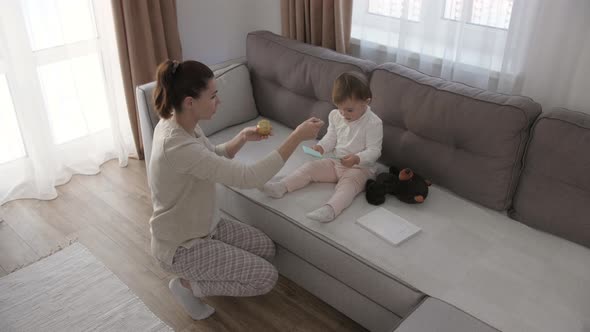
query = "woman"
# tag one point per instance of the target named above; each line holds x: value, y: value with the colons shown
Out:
x: 210, y: 256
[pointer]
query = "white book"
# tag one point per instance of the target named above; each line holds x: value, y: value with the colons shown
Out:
x: 388, y: 226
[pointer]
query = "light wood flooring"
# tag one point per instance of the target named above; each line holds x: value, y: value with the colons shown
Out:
x: 108, y: 213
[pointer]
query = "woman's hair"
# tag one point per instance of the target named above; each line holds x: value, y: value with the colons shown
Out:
x: 350, y: 85
x: 176, y: 81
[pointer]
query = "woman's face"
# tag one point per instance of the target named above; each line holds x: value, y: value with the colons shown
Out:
x: 206, y: 104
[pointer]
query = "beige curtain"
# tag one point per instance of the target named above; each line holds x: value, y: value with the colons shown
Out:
x: 147, y: 34
x: 323, y: 23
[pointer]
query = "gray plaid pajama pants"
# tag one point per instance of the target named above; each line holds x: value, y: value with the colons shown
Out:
x: 233, y: 262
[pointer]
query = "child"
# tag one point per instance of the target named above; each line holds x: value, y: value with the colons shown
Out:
x: 355, y: 135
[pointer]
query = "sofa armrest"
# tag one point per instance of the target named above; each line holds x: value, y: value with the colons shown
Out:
x: 217, y: 66
x: 147, y: 117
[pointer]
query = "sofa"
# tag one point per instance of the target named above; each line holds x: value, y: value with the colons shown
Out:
x: 505, y: 229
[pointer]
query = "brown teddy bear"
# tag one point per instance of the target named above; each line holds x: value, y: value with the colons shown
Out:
x: 406, y: 185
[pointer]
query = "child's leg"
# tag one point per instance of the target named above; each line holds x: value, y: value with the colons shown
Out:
x: 351, y: 183
x: 314, y: 171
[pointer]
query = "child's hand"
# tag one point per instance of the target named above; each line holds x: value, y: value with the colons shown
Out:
x: 251, y: 134
x: 318, y: 148
x: 350, y: 160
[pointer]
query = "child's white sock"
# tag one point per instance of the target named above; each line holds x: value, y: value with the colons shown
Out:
x: 324, y: 214
x: 275, y: 189
x: 196, y: 308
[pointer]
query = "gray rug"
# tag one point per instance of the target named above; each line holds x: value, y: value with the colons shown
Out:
x: 71, y: 291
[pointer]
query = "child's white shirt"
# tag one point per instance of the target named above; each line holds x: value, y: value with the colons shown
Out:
x: 362, y: 137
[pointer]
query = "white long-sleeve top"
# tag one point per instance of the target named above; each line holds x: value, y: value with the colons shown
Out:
x: 362, y: 137
x: 184, y: 169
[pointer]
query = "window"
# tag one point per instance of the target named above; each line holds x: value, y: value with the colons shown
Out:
x: 59, y: 22
x: 467, y: 32
x: 75, y: 97
x: 491, y: 13
x: 408, y: 9
x: 59, y: 41
x: 62, y: 106
x: 12, y: 145
x: 66, y: 48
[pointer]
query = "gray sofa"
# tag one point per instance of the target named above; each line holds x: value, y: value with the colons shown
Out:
x: 472, y: 258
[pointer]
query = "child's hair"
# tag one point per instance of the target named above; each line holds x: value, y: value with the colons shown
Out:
x: 176, y: 81
x: 350, y: 85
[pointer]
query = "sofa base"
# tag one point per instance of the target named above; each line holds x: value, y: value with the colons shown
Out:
x: 341, y: 297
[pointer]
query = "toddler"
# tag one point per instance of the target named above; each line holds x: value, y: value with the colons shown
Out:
x: 354, y: 135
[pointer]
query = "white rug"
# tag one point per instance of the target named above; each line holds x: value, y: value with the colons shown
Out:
x: 71, y: 291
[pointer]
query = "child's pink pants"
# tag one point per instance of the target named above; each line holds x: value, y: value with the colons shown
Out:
x: 351, y: 181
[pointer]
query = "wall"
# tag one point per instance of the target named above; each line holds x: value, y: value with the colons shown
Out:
x: 215, y: 31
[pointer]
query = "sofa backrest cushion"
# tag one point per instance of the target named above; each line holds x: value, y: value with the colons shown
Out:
x: 237, y: 104
x: 237, y: 101
x: 554, y: 190
x: 468, y: 140
x: 292, y: 81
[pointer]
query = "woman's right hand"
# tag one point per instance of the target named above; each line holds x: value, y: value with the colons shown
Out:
x: 309, y: 129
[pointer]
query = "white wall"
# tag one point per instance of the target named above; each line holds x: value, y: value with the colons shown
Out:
x: 213, y: 31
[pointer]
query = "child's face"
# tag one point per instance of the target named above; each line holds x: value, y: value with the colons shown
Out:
x: 352, y: 109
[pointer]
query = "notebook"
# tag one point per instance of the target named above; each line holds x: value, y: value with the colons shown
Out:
x: 388, y: 226
x: 316, y: 154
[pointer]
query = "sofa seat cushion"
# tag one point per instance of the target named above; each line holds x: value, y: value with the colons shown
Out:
x: 505, y: 273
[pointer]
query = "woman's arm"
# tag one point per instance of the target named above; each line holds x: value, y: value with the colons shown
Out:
x: 247, y: 134
x: 190, y: 157
x: 234, y: 145
x: 194, y: 158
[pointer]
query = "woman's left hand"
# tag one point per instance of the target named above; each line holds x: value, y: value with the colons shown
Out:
x: 251, y: 134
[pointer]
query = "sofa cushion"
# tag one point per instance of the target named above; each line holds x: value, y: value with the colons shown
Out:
x: 554, y: 190
x: 234, y: 90
x: 293, y: 81
x: 237, y: 101
x: 505, y: 273
x: 468, y: 140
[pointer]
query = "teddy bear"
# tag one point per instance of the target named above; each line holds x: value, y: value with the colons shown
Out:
x: 406, y: 185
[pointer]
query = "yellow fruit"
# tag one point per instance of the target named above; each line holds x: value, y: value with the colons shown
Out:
x: 264, y: 127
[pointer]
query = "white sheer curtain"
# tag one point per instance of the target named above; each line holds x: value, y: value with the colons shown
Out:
x: 538, y: 48
x: 62, y: 111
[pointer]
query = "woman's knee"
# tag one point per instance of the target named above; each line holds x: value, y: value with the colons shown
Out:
x: 267, y: 248
x: 265, y: 280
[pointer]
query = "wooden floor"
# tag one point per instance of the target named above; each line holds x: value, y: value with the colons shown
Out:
x: 108, y: 214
